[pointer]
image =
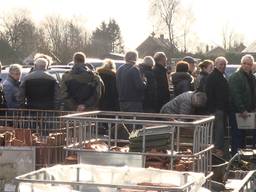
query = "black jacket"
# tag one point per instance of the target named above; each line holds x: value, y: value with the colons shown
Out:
x: 150, y: 94
x: 217, y: 90
x: 182, y: 82
x: 130, y: 84
x: 163, y: 93
x: 109, y: 99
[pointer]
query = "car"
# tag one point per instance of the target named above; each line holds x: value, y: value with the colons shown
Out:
x: 56, y: 72
x: 230, y: 69
x: 4, y: 73
x: 99, y: 62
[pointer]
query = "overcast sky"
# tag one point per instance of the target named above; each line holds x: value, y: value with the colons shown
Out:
x: 132, y: 16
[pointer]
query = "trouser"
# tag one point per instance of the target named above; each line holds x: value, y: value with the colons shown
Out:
x: 131, y: 106
x: 238, y: 135
x: 219, y: 129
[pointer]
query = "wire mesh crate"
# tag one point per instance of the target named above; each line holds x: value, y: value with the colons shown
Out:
x: 39, y: 128
x: 194, y: 132
x: 92, y: 178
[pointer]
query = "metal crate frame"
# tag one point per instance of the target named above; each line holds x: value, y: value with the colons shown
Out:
x: 40, y: 122
x: 85, y: 126
x: 42, y: 176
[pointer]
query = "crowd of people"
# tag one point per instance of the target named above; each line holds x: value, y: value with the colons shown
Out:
x: 142, y: 87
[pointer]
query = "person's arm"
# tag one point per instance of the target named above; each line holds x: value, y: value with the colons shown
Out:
x: 21, y: 95
x: 139, y: 80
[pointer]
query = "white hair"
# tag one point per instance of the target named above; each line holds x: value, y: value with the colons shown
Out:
x: 247, y: 57
x: 41, y: 64
x: 148, y: 61
x: 220, y: 60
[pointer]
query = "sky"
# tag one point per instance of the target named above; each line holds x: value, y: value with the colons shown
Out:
x: 210, y: 16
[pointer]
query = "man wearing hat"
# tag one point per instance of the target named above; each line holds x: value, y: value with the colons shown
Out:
x: 191, y: 61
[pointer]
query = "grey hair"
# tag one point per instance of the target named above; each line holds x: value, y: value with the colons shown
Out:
x: 41, y: 55
x: 41, y: 64
x: 220, y: 59
x: 159, y: 56
x: 131, y: 56
x: 247, y: 57
x: 148, y: 61
x: 15, y: 68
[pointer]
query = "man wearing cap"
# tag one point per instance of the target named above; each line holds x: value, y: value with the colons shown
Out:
x: 130, y: 84
x: 191, y: 61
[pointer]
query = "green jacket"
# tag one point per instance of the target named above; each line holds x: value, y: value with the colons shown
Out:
x: 242, y: 96
x: 80, y: 86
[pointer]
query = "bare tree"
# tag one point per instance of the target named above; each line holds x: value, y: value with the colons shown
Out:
x: 184, y: 35
x: 64, y: 37
x: 227, y: 36
x: 20, y: 32
x: 230, y: 38
x: 166, y: 11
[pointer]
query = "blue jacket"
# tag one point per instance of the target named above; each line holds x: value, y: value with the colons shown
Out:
x: 130, y: 84
x: 11, y: 88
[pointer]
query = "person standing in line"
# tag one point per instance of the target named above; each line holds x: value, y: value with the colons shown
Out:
x: 39, y: 89
x: 131, y: 84
x: 217, y: 91
x: 81, y: 88
x: 11, y: 86
x: 160, y: 72
x: 109, y: 98
x: 243, y: 100
x: 181, y: 79
x: 150, y: 94
x: 192, y: 64
x: 206, y: 67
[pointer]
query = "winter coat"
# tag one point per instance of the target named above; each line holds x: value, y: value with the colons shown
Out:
x: 163, y: 92
x: 11, y: 89
x: 80, y: 86
x: 39, y: 90
x: 130, y: 83
x: 217, y: 91
x: 150, y: 94
x: 179, y: 105
x: 182, y: 82
x: 242, y: 94
x: 200, y: 82
x: 109, y: 98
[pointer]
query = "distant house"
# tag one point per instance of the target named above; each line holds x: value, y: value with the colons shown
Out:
x: 152, y: 45
x: 251, y: 49
x: 238, y: 48
x: 216, y: 52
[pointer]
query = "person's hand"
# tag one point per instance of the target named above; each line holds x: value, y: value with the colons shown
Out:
x: 244, y: 114
x: 80, y: 108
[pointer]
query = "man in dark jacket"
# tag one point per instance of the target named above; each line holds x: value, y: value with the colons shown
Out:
x: 81, y: 88
x: 242, y: 89
x: 217, y: 92
x: 160, y: 72
x: 150, y: 93
x: 39, y: 90
x: 130, y: 84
